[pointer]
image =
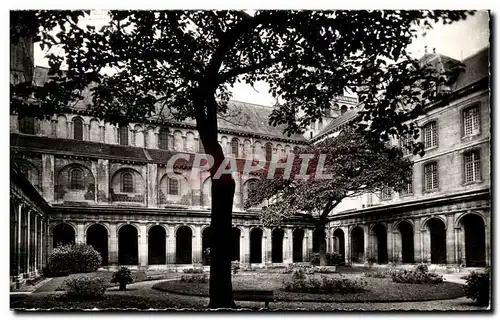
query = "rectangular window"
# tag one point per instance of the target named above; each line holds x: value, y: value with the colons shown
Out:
x: 471, y: 121
x: 406, y: 143
x: 409, y: 188
x: 163, y: 137
x: 27, y: 125
x: 173, y: 186
x: 472, y: 166
x: 430, y: 135
x: 430, y: 176
x: 386, y: 193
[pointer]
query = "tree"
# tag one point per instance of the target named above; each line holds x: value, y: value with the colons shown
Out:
x: 341, y: 167
x: 185, y: 62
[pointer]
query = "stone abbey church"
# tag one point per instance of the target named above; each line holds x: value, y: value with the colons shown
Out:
x: 75, y: 178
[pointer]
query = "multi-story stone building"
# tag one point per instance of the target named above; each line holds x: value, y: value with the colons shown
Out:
x: 443, y: 217
x: 89, y: 181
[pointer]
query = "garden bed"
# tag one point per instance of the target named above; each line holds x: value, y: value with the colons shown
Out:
x: 377, y: 290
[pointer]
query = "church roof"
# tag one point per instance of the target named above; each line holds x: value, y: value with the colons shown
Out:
x: 241, y: 117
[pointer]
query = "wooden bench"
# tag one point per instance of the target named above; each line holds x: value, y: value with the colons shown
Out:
x: 265, y: 296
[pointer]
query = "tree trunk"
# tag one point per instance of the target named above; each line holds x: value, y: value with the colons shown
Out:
x: 322, y: 243
x: 221, y: 294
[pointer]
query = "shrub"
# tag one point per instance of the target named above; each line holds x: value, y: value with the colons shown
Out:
x: 405, y: 276
x: 477, y: 287
x: 235, y: 266
x: 193, y: 270
x: 332, y: 259
x: 301, y: 283
x: 195, y: 278
x: 73, y: 258
x: 85, y: 287
x: 246, y: 267
x: 422, y: 268
x: 123, y: 276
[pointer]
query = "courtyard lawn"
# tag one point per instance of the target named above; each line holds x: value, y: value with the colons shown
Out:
x: 377, y: 290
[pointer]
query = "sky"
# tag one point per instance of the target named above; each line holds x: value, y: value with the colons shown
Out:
x: 458, y: 40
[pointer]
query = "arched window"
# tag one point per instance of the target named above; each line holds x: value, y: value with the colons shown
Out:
x: 27, y: 125
x: 234, y: 147
x: 269, y: 151
x: 127, y: 183
x: 173, y: 186
x: 76, y: 179
x: 78, y: 129
x: 163, y: 139
x: 124, y: 135
x: 343, y: 109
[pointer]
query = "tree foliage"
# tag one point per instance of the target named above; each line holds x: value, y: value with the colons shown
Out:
x: 186, y: 62
x: 355, y: 167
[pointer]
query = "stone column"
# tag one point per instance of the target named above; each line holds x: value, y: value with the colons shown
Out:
x: 397, y: 246
x: 487, y: 239
x: 48, y: 177
x: 80, y: 232
x: 28, y: 244
x: 35, y: 245
x: 143, y: 245
x: 450, y: 240
x: 417, y: 240
x: 245, y: 245
x: 86, y: 132
x: 69, y: 130
x: 288, y: 246
x: 42, y: 244
x: 102, y: 133
x: 197, y: 245
x: 426, y: 245
x: 53, y: 124
x: 19, y: 209
x: 347, y: 244
x: 267, y: 252
x: 237, y: 203
x: 460, y: 243
x: 171, y: 244
x: 366, y: 249
x: 113, y: 244
x: 309, y: 244
x: 103, y: 181
x: 390, y: 241
x: 152, y: 185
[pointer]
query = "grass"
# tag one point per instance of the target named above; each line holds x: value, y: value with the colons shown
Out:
x: 110, y: 301
x: 138, y: 276
x: 378, y: 290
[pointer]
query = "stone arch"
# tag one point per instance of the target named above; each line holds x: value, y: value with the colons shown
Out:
x: 184, y: 245
x: 177, y: 142
x: 437, y: 240
x: 298, y: 245
x: 235, y: 147
x: 157, y: 224
x: 157, y: 237
x: 406, y: 241
x: 458, y: 220
x: 257, y: 146
x: 357, y: 244
x: 75, y: 182
x: 98, y: 238
x: 339, y: 242
x: 277, y: 237
x: 472, y: 240
x: 118, y: 194
x: 128, y: 249
x: 61, y: 127
x: 190, y: 142
x: 426, y: 220
x: 379, y: 244
x: 247, y: 149
x: 256, y: 238
x: 139, y: 136
x: 94, y: 130
x: 78, y: 127
x: 62, y: 234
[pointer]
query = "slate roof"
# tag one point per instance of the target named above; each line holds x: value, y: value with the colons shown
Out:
x: 476, y: 67
x: 242, y: 117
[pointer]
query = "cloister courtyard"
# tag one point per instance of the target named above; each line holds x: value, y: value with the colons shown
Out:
x: 165, y: 289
